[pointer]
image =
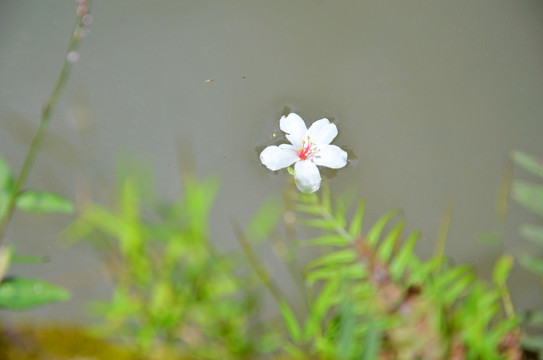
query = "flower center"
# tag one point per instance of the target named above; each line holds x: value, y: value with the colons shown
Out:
x: 307, y: 150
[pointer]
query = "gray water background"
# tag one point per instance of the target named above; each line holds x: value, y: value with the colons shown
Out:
x: 429, y: 96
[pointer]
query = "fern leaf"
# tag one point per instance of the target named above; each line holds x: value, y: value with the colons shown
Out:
x: 375, y: 232
x: 351, y: 272
x: 325, y: 300
x: 324, y: 224
x: 339, y: 215
x: 399, y: 263
x: 456, y: 290
x: 326, y: 240
x: 355, y: 228
x: 389, y: 243
x: 338, y: 257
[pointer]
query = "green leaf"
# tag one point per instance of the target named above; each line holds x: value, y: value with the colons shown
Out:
x: 324, y: 302
x: 6, y: 177
x: 323, y: 224
x: 25, y: 293
x: 340, y: 213
x: 354, y: 271
x: 457, y: 289
x: 447, y: 278
x: 347, y: 334
x: 375, y: 232
x: 389, y: 243
x: 331, y: 240
x: 372, y: 342
x: 402, y: 259
x: 529, y: 195
x: 290, y: 320
x: 41, y: 201
x: 528, y: 162
x: 291, y: 171
x: 502, y: 269
x: 338, y: 257
x: 355, y: 229
x: 532, y: 232
x: 265, y: 219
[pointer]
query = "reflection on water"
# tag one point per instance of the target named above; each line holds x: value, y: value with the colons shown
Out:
x: 430, y: 97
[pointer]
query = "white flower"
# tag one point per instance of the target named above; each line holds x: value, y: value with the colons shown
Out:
x: 310, y: 147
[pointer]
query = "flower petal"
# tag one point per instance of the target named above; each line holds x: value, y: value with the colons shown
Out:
x: 331, y: 156
x: 278, y: 157
x: 294, y: 126
x: 308, y: 178
x: 322, y: 132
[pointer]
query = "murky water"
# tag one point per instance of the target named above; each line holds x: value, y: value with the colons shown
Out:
x: 429, y: 96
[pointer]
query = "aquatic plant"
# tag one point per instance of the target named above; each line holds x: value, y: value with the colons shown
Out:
x: 24, y: 293
x: 307, y: 149
x: 371, y: 297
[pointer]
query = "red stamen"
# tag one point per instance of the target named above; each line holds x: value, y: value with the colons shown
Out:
x: 305, y: 151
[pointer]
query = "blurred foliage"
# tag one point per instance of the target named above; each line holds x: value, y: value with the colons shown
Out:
x: 173, y: 291
x: 371, y: 297
x: 18, y: 293
x: 530, y: 195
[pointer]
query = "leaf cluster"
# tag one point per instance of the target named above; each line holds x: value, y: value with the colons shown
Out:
x: 173, y: 292
x: 20, y: 293
x: 371, y: 296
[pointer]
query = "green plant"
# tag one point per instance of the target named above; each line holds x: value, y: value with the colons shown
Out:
x: 370, y: 296
x: 173, y: 292
x: 17, y: 293
x: 530, y: 195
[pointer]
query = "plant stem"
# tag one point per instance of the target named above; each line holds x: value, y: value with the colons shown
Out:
x: 262, y: 274
x: 44, y: 122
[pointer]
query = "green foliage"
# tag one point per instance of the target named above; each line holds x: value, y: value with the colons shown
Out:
x: 17, y: 293
x: 530, y: 195
x: 24, y: 293
x: 370, y: 295
x: 173, y: 290
x: 41, y: 201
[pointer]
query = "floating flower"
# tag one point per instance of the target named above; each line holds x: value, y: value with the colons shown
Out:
x: 307, y: 149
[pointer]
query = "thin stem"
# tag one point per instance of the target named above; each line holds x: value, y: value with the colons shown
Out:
x: 44, y: 122
x: 262, y: 274
x: 289, y: 220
